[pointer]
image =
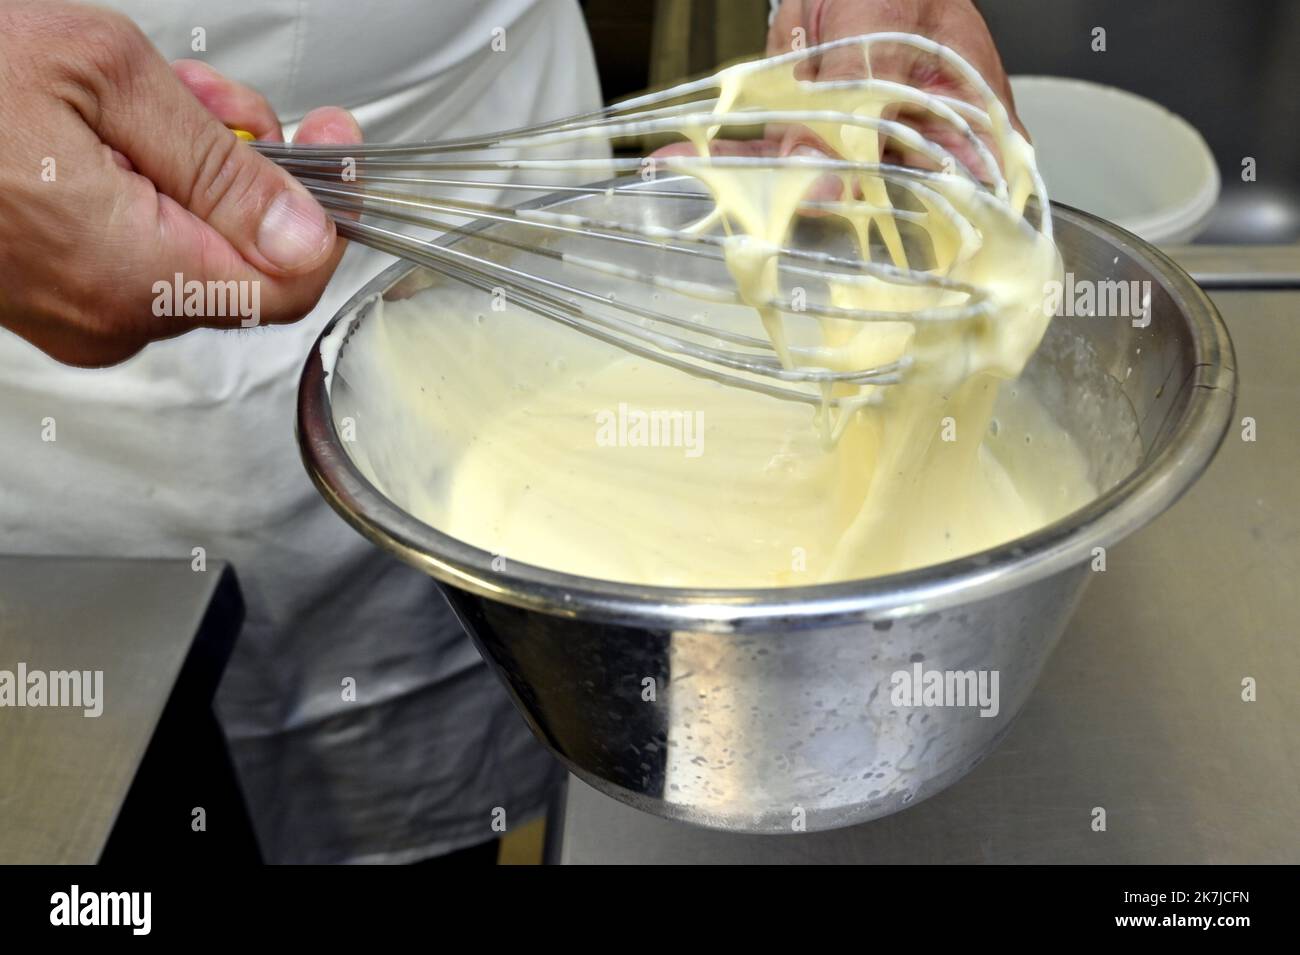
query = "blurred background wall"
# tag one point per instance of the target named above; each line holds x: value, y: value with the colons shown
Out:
x: 653, y: 44
x: 1230, y: 67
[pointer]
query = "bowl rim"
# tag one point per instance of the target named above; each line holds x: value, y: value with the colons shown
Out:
x: 1066, y: 543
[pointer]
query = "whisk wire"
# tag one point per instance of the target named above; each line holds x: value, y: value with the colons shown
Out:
x: 420, y: 184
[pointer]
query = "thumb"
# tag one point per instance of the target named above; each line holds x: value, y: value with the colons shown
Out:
x: 171, y: 139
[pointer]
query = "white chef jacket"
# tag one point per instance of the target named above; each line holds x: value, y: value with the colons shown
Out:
x: 191, y: 444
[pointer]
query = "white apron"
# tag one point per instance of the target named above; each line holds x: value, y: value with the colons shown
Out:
x: 190, y: 444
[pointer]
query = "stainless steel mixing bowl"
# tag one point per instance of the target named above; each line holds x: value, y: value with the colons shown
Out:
x: 771, y: 710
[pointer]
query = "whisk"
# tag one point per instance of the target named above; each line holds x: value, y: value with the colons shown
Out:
x: 376, y: 192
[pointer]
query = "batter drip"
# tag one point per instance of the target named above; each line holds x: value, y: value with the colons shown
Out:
x: 541, y: 446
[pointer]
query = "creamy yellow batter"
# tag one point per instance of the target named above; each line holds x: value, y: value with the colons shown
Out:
x: 542, y: 446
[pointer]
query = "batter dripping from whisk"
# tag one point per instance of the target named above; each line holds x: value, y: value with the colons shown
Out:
x: 502, y: 450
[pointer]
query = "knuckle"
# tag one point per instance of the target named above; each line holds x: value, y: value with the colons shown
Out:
x: 81, y: 53
x: 105, y: 43
x: 113, y: 36
x: 221, y: 177
x: 260, y: 104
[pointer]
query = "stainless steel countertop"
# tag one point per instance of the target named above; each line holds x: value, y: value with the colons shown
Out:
x: 1224, y: 267
x: 63, y: 777
x: 1140, y: 709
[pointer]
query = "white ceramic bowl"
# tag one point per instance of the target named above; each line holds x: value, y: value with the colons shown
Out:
x: 1119, y: 156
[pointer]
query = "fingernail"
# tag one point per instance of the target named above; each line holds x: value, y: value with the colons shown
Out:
x: 803, y: 149
x: 294, y: 231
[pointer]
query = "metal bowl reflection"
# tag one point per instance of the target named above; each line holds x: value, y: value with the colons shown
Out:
x: 765, y: 710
